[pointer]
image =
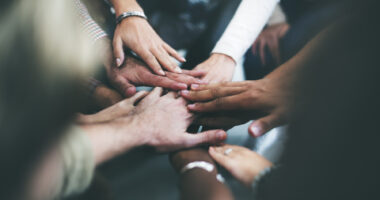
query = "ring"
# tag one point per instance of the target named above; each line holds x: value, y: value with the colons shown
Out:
x: 227, y: 151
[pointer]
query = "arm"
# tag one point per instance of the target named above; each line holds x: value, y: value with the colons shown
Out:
x: 269, y: 101
x: 245, y: 26
x: 198, y: 183
x: 137, y: 34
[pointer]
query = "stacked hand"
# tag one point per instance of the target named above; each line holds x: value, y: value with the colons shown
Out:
x: 218, y: 68
x: 158, y: 120
x: 134, y: 73
x: 241, y: 162
x: 233, y: 103
x: 137, y: 34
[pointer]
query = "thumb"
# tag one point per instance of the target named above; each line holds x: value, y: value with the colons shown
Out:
x: 206, y: 137
x: 263, y: 125
x: 124, y: 87
x: 118, y: 52
x: 138, y: 96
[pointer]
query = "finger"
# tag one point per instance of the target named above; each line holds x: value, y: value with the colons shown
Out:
x: 183, y: 78
x: 206, y: 137
x: 254, y: 46
x: 118, y: 51
x: 195, y: 73
x: 262, y: 53
x: 164, y: 59
x: 275, y: 51
x: 151, y: 61
x: 210, y: 94
x: 220, y: 158
x: 263, y: 125
x: 219, y: 104
x: 165, y: 82
x: 124, y: 87
x: 172, y: 95
x: 173, y: 53
x: 198, y: 87
x: 155, y: 93
x: 138, y: 96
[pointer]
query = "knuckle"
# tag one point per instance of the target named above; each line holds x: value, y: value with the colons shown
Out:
x: 214, y: 92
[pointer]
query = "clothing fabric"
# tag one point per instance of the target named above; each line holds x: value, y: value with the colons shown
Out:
x: 89, y: 26
x: 78, y: 164
x: 247, y: 23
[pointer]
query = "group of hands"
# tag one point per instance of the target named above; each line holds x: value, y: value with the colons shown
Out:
x: 203, y: 96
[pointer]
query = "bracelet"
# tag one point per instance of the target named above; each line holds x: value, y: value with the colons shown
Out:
x: 125, y: 15
x: 198, y: 164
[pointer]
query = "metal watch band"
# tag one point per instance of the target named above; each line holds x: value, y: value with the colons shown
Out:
x: 124, y: 15
x: 198, y: 164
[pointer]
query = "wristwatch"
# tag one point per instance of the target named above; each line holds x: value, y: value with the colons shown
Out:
x: 125, y: 15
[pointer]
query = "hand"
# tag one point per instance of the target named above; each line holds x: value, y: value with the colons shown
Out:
x: 134, y: 73
x: 104, y: 97
x: 164, y: 120
x: 265, y: 100
x: 157, y: 121
x: 121, y: 109
x: 241, y: 162
x: 137, y: 34
x: 270, y: 37
x: 218, y: 68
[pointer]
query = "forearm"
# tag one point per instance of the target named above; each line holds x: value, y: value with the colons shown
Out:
x: 109, y: 140
x: 245, y: 26
x: 121, y: 6
x: 198, y: 183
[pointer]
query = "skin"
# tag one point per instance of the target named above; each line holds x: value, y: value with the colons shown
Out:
x: 103, y: 97
x: 234, y: 103
x: 196, y: 183
x: 135, y: 73
x: 142, y: 125
x: 218, y: 68
x: 270, y: 38
x: 137, y: 34
x: 268, y: 101
x: 241, y: 162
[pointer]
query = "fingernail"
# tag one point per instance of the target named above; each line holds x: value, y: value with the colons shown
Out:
x: 220, y: 135
x: 191, y: 106
x: 178, y: 70
x: 182, y: 86
x: 184, y: 92
x: 118, y: 62
x: 183, y: 59
x: 161, y: 72
x: 256, y: 131
x: 194, y: 86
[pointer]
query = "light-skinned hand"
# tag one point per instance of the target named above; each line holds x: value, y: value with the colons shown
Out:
x: 134, y: 73
x: 241, y: 162
x: 137, y: 34
x: 218, y: 68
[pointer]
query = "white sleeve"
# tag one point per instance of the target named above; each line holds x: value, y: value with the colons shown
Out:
x: 245, y: 26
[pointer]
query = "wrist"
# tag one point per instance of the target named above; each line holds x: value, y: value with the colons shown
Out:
x: 121, y: 6
x: 182, y: 158
x: 111, y: 139
x: 223, y: 58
